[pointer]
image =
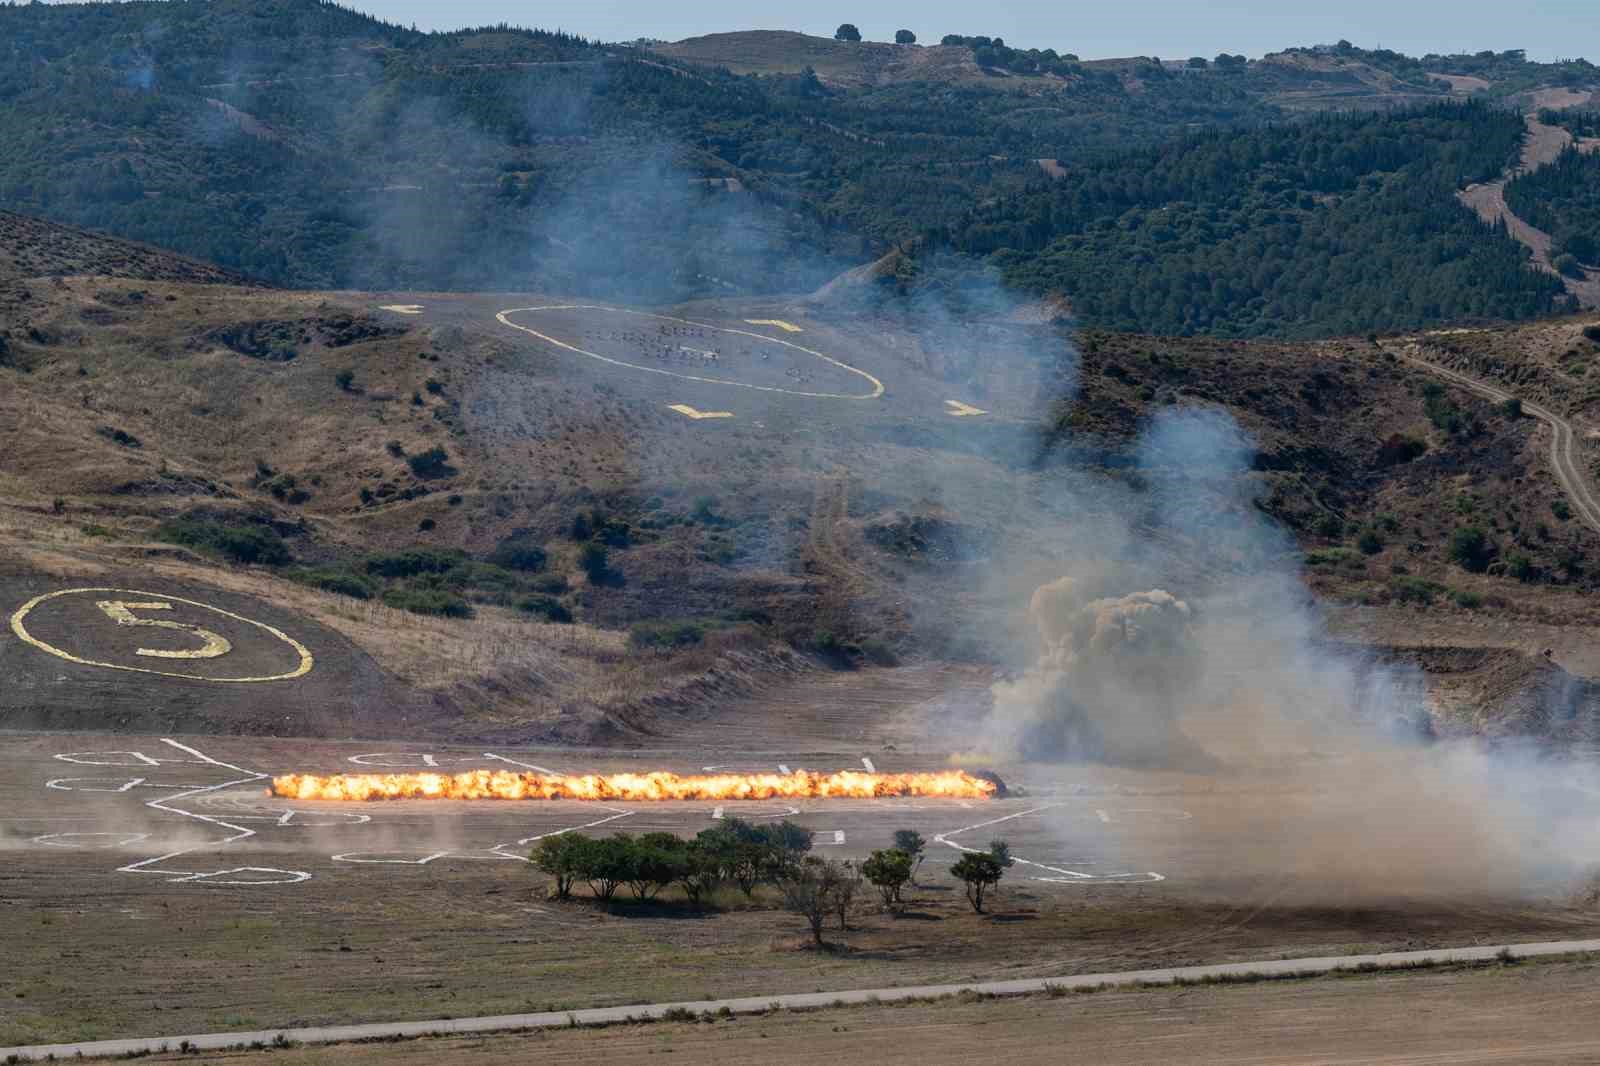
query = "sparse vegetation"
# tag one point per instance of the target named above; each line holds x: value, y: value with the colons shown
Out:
x: 979, y: 872
x: 239, y: 543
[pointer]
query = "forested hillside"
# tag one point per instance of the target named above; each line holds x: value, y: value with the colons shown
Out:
x: 1563, y: 199
x: 1332, y: 225
x: 309, y: 145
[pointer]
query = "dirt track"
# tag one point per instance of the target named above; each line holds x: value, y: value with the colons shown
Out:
x: 1563, y: 461
x: 1542, y: 145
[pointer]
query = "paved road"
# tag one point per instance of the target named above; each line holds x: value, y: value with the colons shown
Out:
x: 1563, y: 452
x: 332, y: 1034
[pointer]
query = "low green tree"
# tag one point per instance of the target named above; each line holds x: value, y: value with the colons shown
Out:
x: 561, y: 856
x: 980, y: 871
x: 846, y: 32
x: 911, y: 842
x: 888, y: 871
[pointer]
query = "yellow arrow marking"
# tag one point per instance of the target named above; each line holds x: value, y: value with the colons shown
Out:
x: 689, y: 412
x: 962, y: 410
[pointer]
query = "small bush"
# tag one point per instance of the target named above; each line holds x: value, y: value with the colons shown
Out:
x: 546, y: 607
x: 428, y: 601
x: 1369, y: 542
x: 1471, y: 549
x: 1561, y: 509
x: 1511, y: 408
x: 335, y: 579
x: 1520, y: 567
x: 1467, y: 598
x: 345, y: 379
x: 435, y: 462
x: 1399, y: 449
x: 242, y: 544
x: 1413, y: 590
x: 667, y: 634
x: 1592, y: 333
x: 595, y: 562
x: 414, y: 561
x: 1330, y: 526
x: 118, y: 436
x: 519, y: 555
x: 434, y: 387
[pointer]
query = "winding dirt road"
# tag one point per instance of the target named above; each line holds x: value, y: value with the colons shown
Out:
x: 1563, y: 449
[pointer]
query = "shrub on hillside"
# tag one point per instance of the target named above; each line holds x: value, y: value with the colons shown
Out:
x: 428, y: 601
x: 547, y: 607
x: 1471, y: 549
x: 414, y: 561
x: 241, y: 544
x: 335, y: 579
x: 435, y: 462
x: 520, y: 555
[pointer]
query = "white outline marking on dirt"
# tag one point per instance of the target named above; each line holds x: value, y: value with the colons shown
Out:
x: 1080, y: 878
x: 141, y: 757
x: 524, y: 765
x: 787, y: 327
x: 366, y: 759
x: 68, y: 840
x: 782, y: 769
x: 1104, y: 816
x: 877, y: 386
x: 838, y: 836
x: 871, y: 769
x: 69, y: 784
x: 402, y: 309
x: 963, y: 410
x: 525, y: 841
x: 240, y: 832
x: 356, y: 857
x: 716, y: 814
x: 689, y: 412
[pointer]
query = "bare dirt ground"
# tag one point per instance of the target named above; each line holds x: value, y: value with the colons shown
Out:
x: 155, y: 886
x: 1525, y: 1013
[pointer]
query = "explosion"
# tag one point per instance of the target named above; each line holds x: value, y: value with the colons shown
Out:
x: 659, y: 785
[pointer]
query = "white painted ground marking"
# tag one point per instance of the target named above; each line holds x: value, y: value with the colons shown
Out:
x: 787, y: 327
x: 716, y: 813
x: 838, y: 836
x: 402, y: 309
x: 364, y: 858
x: 393, y: 760
x: 70, y: 784
x: 1103, y: 816
x: 525, y: 765
x: 525, y: 841
x: 283, y: 877
x: 690, y: 412
x: 90, y: 840
x: 696, y: 351
x: 963, y: 410
x: 877, y: 386
x: 868, y: 764
x: 1078, y: 878
x: 85, y: 758
x: 782, y: 769
x: 343, y: 818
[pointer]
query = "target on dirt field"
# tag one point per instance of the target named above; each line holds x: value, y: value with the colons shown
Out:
x: 153, y: 633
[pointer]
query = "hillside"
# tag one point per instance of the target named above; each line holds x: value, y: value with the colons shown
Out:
x: 33, y: 248
x: 432, y: 488
x: 309, y: 145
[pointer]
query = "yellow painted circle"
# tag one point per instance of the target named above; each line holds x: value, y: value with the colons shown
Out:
x: 21, y: 631
x: 877, y: 386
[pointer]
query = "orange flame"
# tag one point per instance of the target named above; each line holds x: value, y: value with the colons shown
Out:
x: 660, y: 785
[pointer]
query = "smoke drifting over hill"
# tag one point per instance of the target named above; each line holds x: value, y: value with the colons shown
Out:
x: 1343, y: 792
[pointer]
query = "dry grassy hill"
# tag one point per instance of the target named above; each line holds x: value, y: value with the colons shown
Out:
x: 142, y: 421
x: 33, y: 248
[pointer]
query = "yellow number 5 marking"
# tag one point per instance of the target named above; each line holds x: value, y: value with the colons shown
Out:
x: 121, y: 612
